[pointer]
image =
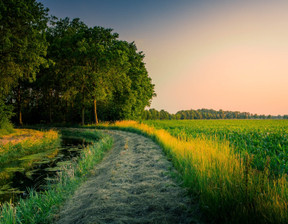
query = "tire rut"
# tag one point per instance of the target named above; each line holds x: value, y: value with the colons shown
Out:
x: 132, y: 184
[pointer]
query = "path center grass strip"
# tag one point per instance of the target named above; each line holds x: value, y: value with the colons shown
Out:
x: 228, y: 188
x: 42, y: 207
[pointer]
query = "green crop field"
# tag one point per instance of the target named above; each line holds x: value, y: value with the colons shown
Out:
x: 266, y: 140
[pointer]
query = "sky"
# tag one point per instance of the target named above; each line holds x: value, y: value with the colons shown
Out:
x: 213, y: 54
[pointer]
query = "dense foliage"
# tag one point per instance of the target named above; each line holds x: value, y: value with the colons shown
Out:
x: 23, y: 47
x: 67, y: 71
x: 22, y: 38
x: 266, y: 140
x: 153, y: 114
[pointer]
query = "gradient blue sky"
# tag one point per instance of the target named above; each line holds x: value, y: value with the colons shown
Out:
x: 219, y: 54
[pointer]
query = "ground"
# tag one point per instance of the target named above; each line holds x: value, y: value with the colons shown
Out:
x: 133, y: 184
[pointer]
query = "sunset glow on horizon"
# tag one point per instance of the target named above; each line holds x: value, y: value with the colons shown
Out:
x: 230, y: 55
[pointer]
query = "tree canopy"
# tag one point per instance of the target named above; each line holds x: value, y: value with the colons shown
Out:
x: 67, y: 71
x: 153, y: 114
x: 23, y: 42
x: 23, y: 46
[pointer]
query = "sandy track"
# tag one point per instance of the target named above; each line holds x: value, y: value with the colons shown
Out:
x: 131, y: 185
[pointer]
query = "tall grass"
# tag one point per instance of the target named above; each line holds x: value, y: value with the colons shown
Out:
x: 37, y: 141
x: 228, y: 188
x: 43, y: 207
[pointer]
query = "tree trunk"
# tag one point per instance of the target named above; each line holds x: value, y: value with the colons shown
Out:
x: 20, y: 118
x: 66, y: 111
x: 19, y: 106
x: 50, y: 106
x: 83, y: 105
x: 83, y: 115
x: 95, y: 112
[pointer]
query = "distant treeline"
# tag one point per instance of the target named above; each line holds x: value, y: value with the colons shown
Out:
x: 61, y: 70
x: 153, y: 114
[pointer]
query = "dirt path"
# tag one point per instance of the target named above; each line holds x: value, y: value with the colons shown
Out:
x: 131, y: 185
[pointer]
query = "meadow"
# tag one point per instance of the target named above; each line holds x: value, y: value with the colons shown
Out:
x: 227, y: 184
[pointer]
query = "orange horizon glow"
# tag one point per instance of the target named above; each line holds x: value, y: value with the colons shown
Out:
x: 232, y: 57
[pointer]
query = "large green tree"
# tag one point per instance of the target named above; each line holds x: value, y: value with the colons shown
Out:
x: 83, y: 59
x: 90, y: 70
x: 131, y: 97
x: 22, y: 43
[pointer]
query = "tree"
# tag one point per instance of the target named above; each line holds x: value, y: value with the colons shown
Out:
x: 164, y: 115
x: 23, y: 43
x: 65, y: 37
x: 84, y: 67
x: 89, y: 61
x: 134, y: 90
x: 103, y: 73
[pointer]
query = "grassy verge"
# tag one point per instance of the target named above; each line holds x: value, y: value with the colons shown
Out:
x: 228, y: 188
x: 22, y: 143
x: 31, y: 142
x: 42, y: 207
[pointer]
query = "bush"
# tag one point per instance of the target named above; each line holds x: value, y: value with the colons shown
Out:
x: 5, y: 114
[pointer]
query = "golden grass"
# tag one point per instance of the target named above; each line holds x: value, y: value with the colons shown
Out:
x: 227, y: 187
x: 25, y: 142
x: 20, y: 135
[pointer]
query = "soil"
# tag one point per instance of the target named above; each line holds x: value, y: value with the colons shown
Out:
x: 132, y: 184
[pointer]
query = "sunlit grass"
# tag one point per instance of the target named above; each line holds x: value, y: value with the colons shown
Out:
x: 228, y: 188
x: 26, y: 142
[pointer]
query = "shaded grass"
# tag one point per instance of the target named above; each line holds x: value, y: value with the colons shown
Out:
x: 42, y: 207
x: 228, y: 188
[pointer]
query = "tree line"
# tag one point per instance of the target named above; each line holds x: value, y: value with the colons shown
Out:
x: 61, y: 70
x: 153, y: 114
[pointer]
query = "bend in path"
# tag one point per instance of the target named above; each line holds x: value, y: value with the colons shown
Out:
x: 131, y: 185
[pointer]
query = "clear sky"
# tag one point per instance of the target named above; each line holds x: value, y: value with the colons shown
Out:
x: 218, y: 54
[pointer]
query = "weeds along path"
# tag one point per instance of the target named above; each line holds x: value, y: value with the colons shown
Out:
x: 132, y: 184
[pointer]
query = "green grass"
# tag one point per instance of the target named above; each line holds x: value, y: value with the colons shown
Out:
x: 42, y: 207
x: 266, y: 140
x: 34, y: 145
x: 37, y: 142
